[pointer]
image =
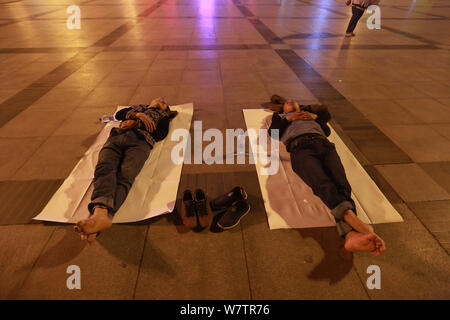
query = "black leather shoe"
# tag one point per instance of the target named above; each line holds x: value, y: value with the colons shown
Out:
x: 233, y: 216
x: 203, y: 210
x: 226, y: 200
x: 188, y: 208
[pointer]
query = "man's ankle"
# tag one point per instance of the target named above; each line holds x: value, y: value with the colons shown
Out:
x: 349, y: 214
x: 348, y: 243
x: 351, y: 234
x: 101, y: 211
x: 358, y: 225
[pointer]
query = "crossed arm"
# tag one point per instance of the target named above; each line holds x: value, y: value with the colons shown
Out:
x: 316, y: 113
x: 131, y: 119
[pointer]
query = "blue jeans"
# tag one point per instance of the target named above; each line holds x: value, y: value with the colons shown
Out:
x: 119, y: 162
x: 316, y: 161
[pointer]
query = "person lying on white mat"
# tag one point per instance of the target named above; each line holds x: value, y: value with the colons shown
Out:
x: 315, y: 160
x: 120, y: 161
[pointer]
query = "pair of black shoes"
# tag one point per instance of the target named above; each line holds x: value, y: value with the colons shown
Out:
x: 235, y: 206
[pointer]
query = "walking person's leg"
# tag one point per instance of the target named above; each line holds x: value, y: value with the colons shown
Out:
x: 357, y: 13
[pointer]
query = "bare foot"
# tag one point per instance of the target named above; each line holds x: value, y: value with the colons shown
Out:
x: 355, y: 242
x: 380, y: 246
x: 90, y: 227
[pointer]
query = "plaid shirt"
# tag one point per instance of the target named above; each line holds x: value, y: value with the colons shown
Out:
x: 153, y: 113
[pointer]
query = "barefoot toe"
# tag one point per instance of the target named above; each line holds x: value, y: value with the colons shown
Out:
x: 91, y: 237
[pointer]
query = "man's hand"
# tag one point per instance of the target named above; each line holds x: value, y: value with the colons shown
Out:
x: 128, y: 124
x: 301, y: 115
x: 147, y: 121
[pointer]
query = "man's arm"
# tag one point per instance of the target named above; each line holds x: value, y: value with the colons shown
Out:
x: 320, y: 110
x: 278, y: 123
x: 323, y: 116
x: 323, y: 119
x: 162, y: 129
x: 122, y: 114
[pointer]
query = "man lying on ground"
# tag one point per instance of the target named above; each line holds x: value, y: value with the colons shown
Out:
x: 316, y: 161
x: 120, y: 161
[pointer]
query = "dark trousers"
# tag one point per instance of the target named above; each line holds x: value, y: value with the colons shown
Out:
x: 316, y: 161
x: 119, y: 162
x: 357, y: 13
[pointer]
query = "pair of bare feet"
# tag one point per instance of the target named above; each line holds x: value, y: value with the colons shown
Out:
x: 364, y: 238
x: 90, y: 228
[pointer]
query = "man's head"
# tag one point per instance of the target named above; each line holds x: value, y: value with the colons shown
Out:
x: 160, y: 104
x: 290, y: 106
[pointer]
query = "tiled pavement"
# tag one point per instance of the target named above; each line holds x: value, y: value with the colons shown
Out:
x: 388, y: 91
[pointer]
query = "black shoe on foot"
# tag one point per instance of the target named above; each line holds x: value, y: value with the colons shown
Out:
x: 226, y: 200
x: 233, y: 216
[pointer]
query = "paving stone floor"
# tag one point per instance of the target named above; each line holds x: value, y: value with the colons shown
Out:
x: 388, y: 91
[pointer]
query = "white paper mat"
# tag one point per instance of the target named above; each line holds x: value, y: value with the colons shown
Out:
x: 290, y: 203
x: 153, y: 193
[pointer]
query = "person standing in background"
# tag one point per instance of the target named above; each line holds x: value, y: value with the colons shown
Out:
x: 358, y: 9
